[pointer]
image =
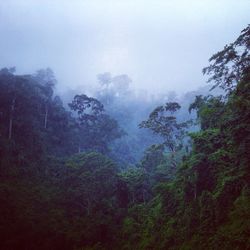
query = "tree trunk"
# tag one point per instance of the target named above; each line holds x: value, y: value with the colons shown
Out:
x: 12, y: 108
x: 133, y: 198
x: 195, y: 191
x: 46, y: 116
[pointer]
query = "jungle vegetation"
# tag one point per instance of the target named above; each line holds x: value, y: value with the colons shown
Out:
x: 68, y: 179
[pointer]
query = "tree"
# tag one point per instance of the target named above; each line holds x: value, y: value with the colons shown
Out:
x: 137, y: 183
x: 209, y: 110
x: 96, y: 129
x: 153, y: 157
x: 161, y: 121
x: 113, y: 89
x: 104, y: 79
x: 86, y: 107
x: 229, y: 66
x: 20, y: 100
x: 90, y: 198
x: 47, y: 81
x: 121, y: 84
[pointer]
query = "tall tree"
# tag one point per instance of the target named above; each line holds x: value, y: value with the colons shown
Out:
x: 161, y: 121
x: 47, y: 81
x: 96, y: 129
x: 229, y: 66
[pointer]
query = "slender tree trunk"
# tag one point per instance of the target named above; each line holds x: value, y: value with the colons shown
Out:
x: 195, y: 187
x: 10, y: 128
x: 12, y: 108
x: 133, y: 198
x: 46, y: 116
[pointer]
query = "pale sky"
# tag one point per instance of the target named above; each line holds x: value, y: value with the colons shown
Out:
x: 161, y: 45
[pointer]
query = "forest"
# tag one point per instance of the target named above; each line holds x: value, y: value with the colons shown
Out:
x: 109, y: 171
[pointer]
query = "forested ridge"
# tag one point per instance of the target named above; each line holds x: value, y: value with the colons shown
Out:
x: 70, y: 179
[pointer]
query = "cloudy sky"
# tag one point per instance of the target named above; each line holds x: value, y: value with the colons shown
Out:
x: 161, y: 44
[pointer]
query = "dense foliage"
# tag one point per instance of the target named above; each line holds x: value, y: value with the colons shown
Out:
x: 59, y: 189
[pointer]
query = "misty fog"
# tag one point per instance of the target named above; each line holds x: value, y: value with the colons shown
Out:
x: 161, y: 45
